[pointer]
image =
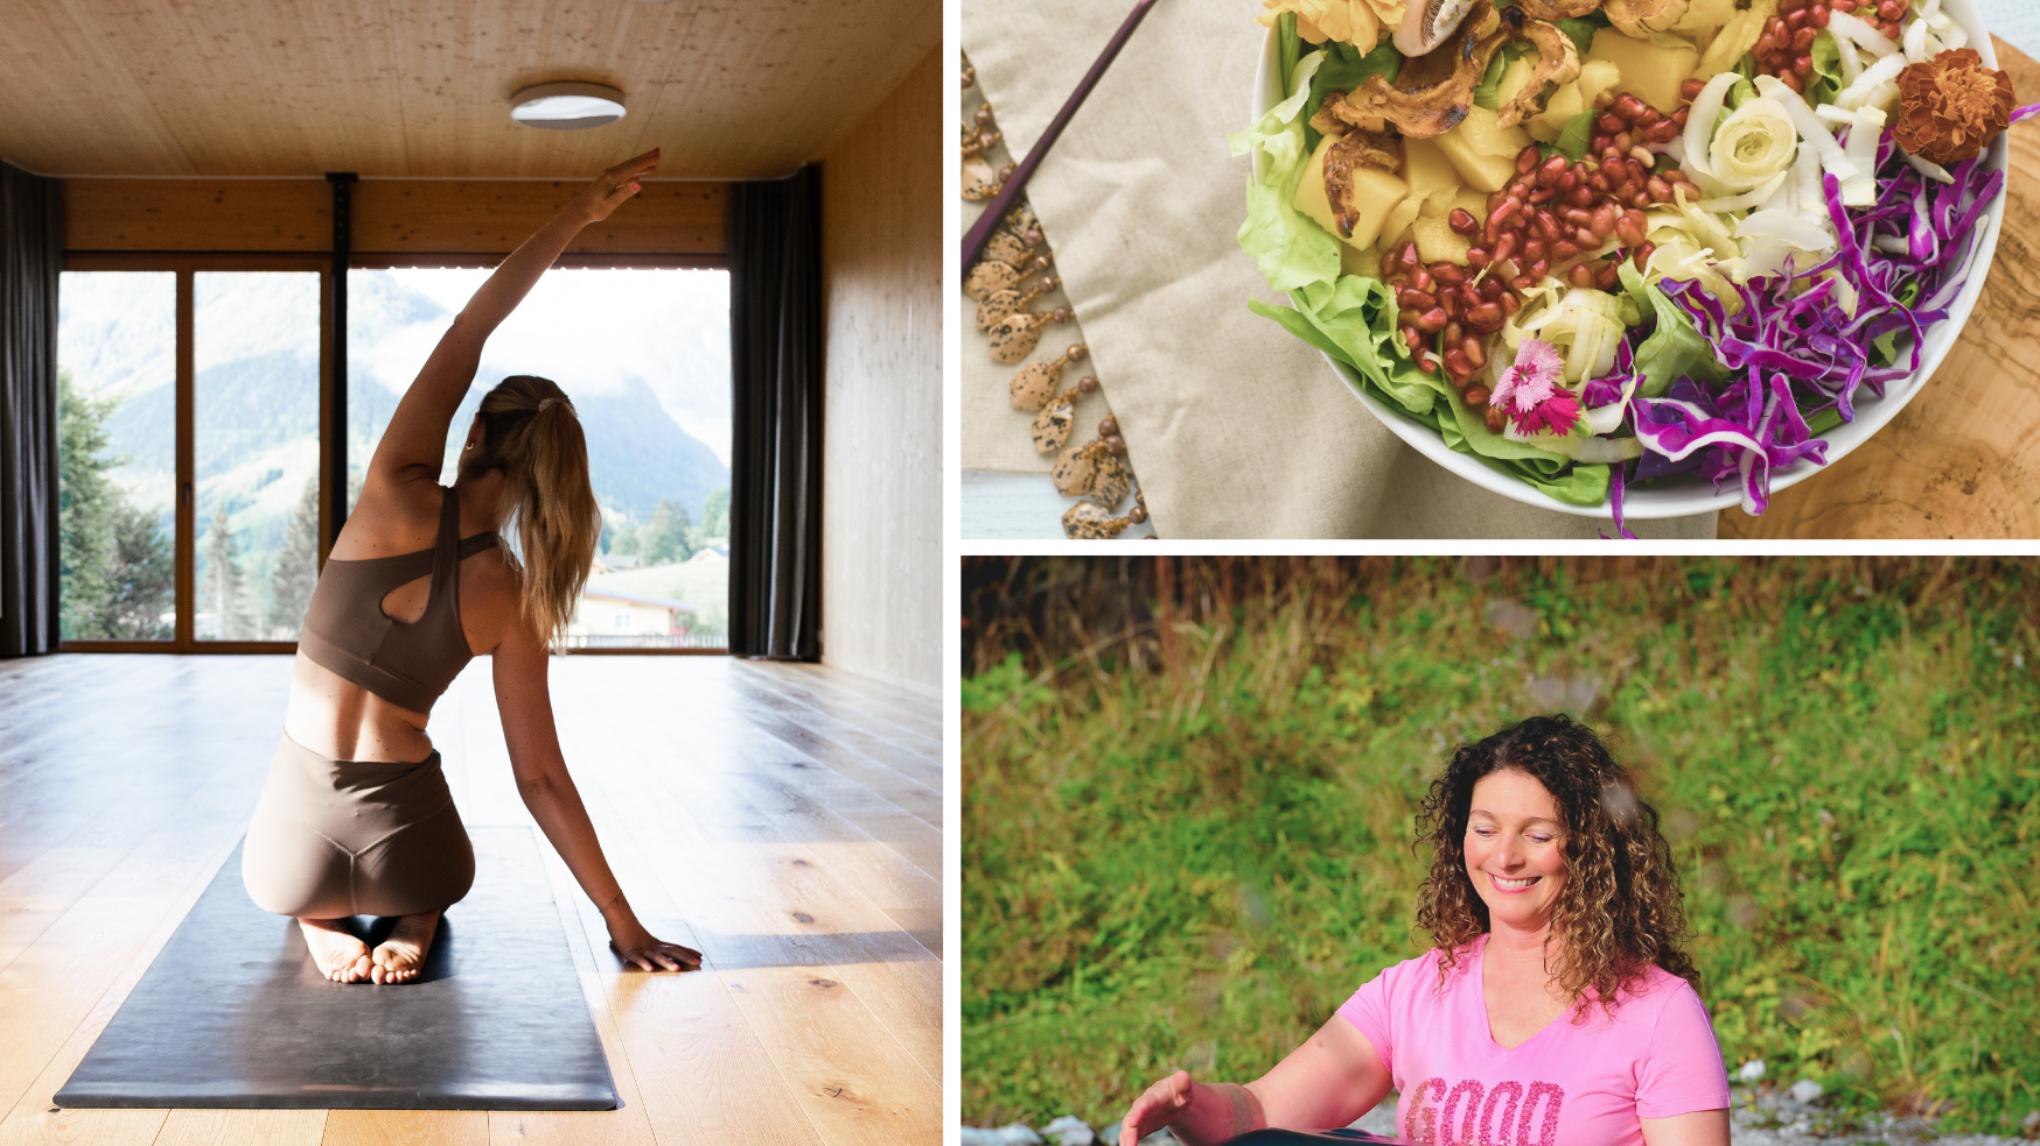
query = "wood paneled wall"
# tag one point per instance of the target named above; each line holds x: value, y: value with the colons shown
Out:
x: 882, y: 573
x: 390, y: 216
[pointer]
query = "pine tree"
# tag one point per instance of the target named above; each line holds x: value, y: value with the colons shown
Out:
x: 85, y: 508
x: 144, y: 575
x: 626, y: 541
x: 685, y: 540
x: 715, y: 515
x: 664, y: 538
x: 222, y: 591
x: 297, y: 566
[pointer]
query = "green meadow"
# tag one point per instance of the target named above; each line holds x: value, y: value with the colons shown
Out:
x: 1189, y: 798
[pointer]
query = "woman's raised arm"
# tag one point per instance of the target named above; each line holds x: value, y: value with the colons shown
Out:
x: 416, y: 436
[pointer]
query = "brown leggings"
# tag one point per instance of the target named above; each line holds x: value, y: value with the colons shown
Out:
x: 333, y: 838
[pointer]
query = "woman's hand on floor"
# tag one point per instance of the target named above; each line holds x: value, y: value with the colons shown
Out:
x: 610, y: 189
x: 640, y: 947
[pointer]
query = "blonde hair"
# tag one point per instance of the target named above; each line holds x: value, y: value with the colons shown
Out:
x: 534, y: 436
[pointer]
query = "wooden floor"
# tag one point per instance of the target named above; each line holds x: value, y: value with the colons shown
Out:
x: 785, y: 820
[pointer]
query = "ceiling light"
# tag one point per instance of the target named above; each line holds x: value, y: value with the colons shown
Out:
x: 567, y: 106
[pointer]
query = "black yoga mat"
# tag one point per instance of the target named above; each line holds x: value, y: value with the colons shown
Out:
x: 233, y: 1012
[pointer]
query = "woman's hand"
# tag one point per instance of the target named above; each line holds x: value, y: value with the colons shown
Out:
x: 629, y: 939
x: 609, y: 190
x: 1195, y: 1113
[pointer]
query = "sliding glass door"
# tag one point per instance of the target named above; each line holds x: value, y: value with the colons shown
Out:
x: 117, y: 454
x: 255, y: 452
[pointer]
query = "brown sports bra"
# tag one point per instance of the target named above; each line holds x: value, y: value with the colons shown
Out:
x: 408, y: 663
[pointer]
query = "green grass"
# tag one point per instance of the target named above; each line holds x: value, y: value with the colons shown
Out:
x: 1195, y: 867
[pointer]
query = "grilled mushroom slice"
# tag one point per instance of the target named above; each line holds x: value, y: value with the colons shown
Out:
x: 1429, y: 23
x: 1558, y: 62
x: 1431, y: 94
x: 1557, y: 9
x: 1640, y: 18
x: 1356, y: 149
x: 1326, y: 120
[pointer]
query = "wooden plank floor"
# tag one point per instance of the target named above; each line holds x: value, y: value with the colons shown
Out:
x: 786, y: 820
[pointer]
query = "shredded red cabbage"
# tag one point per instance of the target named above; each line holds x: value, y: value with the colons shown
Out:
x: 1793, y: 350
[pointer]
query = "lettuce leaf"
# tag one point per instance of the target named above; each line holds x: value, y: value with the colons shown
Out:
x: 1578, y: 133
x: 1289, y: 45
x: 1353, y: 321
x: 1289, y: 246
x: 1827, y: 70
x: 1675, y: 348
x: 1582, y: 29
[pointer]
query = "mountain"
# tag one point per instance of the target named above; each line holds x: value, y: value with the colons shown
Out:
x: 636, y: 454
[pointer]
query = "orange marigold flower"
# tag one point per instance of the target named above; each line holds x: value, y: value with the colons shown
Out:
x: 1950, y: 106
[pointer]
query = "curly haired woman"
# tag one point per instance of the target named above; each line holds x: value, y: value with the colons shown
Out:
x: 1555, y: 1005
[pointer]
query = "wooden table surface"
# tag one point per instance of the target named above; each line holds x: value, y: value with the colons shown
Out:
x: 1962, y: 460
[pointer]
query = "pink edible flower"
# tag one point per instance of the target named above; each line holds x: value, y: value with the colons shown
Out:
x: 1556, y: 413
x: 1530, y: 391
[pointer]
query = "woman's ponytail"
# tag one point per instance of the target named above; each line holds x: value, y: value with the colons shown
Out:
x: 549, y: 506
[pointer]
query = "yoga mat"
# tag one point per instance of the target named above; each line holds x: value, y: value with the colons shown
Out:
x: 233, y: 1013
x: 1310, y: 1138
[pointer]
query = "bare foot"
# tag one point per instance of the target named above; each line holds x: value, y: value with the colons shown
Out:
x: 339, y: 955
x: 398, y: 958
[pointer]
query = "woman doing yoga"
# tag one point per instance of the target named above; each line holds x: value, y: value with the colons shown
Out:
x: 1555, y: 1005
x: 356, y: 817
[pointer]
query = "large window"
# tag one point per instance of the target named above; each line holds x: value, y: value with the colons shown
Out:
x: 116, y: 453
x: 645, y: 356
x: 194, y: 517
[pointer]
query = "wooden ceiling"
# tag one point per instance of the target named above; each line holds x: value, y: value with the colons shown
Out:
x: 729, y: 89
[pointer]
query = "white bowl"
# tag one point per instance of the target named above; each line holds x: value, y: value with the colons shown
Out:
x: 1683, y: 495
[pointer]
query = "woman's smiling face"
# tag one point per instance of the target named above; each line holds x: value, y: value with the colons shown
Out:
x: 1514, y: 833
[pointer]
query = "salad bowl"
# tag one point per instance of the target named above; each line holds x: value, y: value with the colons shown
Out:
x: 1679, y: 494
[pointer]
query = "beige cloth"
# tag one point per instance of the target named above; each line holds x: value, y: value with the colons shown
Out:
x: 1234, y: 427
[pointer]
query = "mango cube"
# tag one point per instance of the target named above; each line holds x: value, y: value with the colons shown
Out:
x: 1353, y: 261
x: 1705, y: 16
x: 1564, y: 104
x: 1514, y: 76
x: 1372, y: 196
x: 1396, y: 231
x: 1430, y: 174
x: 1653, y: 68
x: 1437, y: 242
x: 1597, y: 76
x: 1483, y: 151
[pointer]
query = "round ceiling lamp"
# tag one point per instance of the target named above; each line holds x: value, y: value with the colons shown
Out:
x: 567, y: 106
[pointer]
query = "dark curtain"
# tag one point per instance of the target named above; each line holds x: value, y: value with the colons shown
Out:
x: 776, y: 439
x: 31, y: 255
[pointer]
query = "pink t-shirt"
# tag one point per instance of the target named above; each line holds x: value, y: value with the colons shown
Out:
x: 1591, y: 1083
